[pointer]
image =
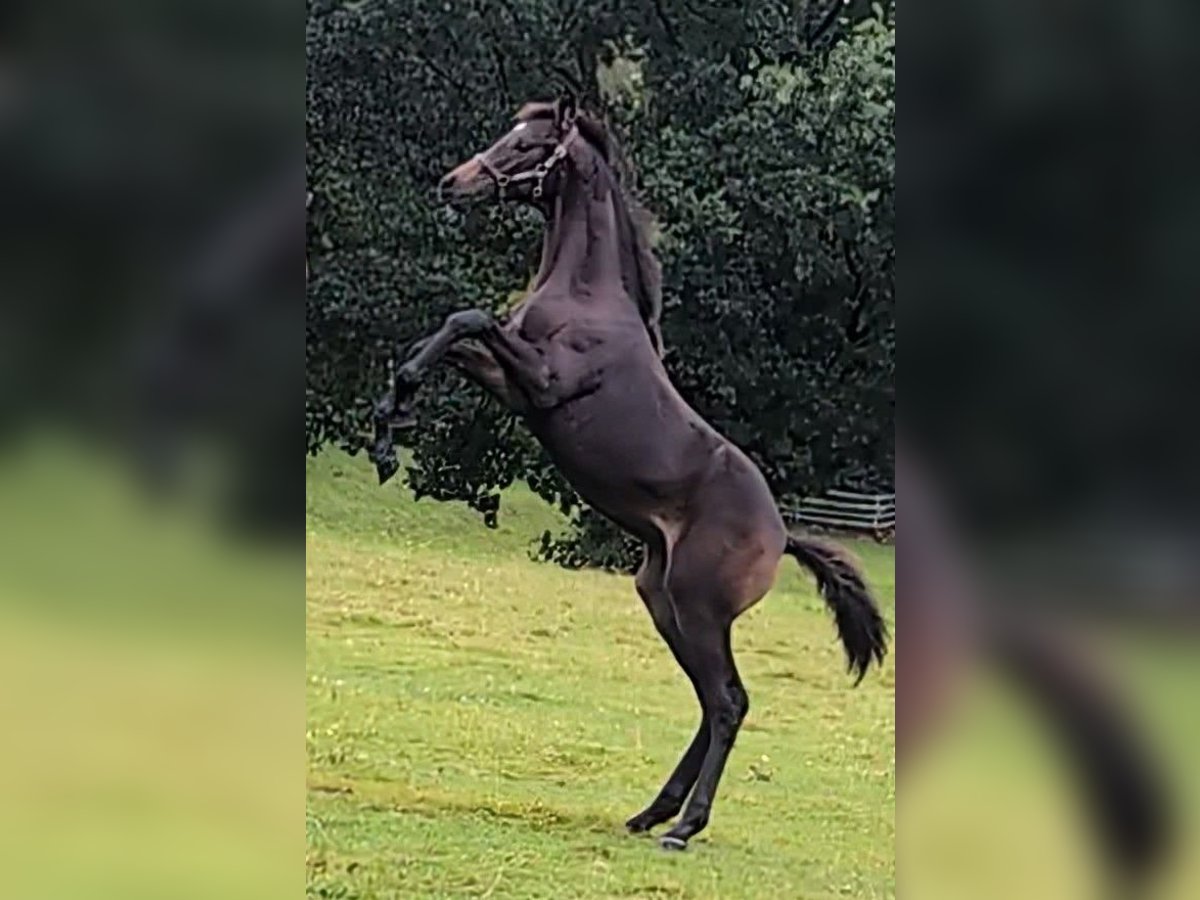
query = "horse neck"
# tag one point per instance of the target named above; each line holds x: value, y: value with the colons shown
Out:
x: 581, y: 245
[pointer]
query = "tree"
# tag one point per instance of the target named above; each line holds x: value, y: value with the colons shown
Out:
x: 766, y: 158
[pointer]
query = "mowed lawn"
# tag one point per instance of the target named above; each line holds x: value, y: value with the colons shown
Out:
x: 481, y: 724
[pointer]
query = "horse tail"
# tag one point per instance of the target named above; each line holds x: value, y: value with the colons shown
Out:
x: 1130, y: 807
x: 859, y: 625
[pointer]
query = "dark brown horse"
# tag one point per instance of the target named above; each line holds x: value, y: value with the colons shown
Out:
x: 580, y: 361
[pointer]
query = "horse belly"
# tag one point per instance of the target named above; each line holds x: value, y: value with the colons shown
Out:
x: 622, y: 459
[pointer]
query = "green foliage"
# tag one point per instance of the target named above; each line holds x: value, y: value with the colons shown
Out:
x: 768, y: 167
x: 592, y: 541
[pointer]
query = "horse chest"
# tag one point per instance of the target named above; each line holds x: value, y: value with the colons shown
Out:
x: 538, y: 322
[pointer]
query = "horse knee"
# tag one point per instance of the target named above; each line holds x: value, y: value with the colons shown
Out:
x: 468, y: 321
x: 739, y: 702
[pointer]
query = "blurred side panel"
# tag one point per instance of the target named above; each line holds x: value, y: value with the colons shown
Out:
x: 151, y: 576
x: 1049, y: 285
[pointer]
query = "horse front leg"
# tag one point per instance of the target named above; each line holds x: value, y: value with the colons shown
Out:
x: 427, y: 353
x: 479, y: 364
x: 394, y: 410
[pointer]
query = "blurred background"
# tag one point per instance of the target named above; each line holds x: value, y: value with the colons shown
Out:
x: 150, y: 337
x: 1049, y: 549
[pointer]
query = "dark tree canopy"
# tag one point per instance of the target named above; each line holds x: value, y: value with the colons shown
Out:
x: 762, y: 146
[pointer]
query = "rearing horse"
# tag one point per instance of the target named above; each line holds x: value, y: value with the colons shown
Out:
x: 580, y: 361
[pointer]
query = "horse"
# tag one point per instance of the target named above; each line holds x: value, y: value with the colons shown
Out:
x: 580, y: 361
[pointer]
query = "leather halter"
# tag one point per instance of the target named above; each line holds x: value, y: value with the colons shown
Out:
x: 537, y: 174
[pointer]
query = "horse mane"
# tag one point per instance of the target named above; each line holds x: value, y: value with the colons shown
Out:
x: 645, y: 286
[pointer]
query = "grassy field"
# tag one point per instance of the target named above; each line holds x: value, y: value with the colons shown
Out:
x: 480, y: 724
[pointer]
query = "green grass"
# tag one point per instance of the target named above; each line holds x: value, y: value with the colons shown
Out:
x: 480, y: 724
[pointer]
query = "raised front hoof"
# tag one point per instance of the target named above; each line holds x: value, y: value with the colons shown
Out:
x: 671, y: 842
x: 644, y: 821
x: 383, y: 455
x: 386, y: 468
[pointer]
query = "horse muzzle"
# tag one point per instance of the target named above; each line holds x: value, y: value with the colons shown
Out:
x: 465, y: 181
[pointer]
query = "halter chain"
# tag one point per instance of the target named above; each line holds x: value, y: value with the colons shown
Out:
x: 538, y: 173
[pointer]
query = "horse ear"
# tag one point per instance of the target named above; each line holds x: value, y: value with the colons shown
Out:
x: 566, y: 111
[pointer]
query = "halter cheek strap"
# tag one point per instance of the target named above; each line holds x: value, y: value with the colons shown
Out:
x: 537, y: 174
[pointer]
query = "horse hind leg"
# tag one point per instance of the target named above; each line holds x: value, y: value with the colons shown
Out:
x: 652, y: 588
x: 707, y: 598
x: 670, y: 799
x: 726, y: 703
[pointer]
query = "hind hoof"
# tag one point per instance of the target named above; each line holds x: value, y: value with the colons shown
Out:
x: 640, y: 824
x: 670, y: 842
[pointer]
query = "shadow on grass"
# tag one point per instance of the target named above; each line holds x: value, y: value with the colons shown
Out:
x: 533, y: 816
x: 389, y: 797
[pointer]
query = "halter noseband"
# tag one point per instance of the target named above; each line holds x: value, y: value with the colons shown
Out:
x: 537, y: 174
